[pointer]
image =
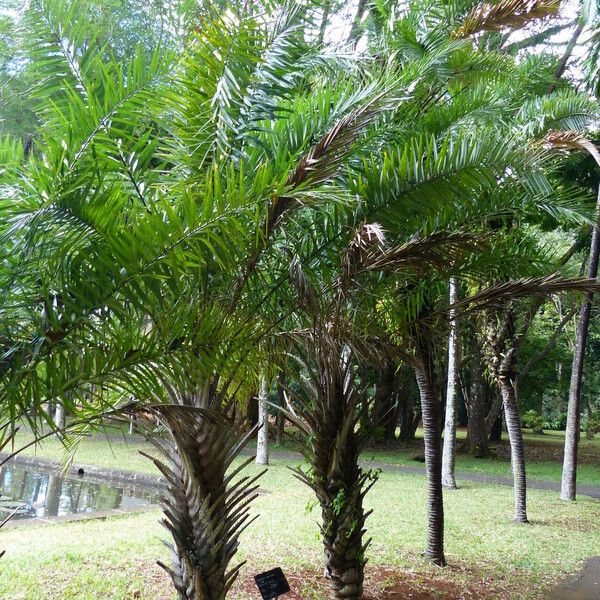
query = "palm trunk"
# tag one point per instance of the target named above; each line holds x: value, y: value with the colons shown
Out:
x: 280, y: 418
x: 433, y: 455
x: 449, y: 449
x: 478, y: 445
x: 517, y: 450
x: 338, y: 481
x: 343, y: 525
x: 568, y: 488
x: 340, y: 486
x: 205, y: 511
x: 262, y: 442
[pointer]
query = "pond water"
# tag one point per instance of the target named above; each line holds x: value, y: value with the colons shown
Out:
x: 36, y: 492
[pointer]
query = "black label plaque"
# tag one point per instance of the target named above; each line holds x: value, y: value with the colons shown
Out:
x: 272, y: 584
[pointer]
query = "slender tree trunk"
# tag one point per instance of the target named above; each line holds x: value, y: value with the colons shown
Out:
x: 493, y: 420
x: 280, y: 418
x: 562, y: 63
x: 356, y: 22
x: 409, y: 418
x: 262, y: 441
x: 385, y: 414
x: 496, y: 428
x: 568, y: 489
x: 478, y: 446
x: 517, y: 453
x: 449, y: 450
x: 324, y: 21
x: 59, y: 417
x: 433, y: 453
x: 52, y: 498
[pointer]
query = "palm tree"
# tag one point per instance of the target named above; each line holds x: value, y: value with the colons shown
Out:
x: 574, y: 140
x: 150, y: 243
x: 155, y: 215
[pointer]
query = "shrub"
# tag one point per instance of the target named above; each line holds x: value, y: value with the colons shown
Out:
x: 592, y: 426
x: 557, y: 422
x: 533, y: 421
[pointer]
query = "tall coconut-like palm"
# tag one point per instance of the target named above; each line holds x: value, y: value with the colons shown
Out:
x: 574, y: 140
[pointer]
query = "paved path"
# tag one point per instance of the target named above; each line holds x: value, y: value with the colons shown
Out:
x: 585, y: 585
x: 593, y: 491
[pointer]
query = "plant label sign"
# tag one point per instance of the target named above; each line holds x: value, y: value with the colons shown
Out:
x: 272, y: 584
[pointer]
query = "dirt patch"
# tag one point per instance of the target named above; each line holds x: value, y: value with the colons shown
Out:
x: 389, y: 583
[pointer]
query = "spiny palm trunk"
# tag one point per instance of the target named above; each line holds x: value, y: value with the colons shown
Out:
x: 340, y: 486
x: 332, y: 418
x: 568, y: 487
x: 449, y: 449
x: 343, y: 525
x: 433, y: 455
x: 205, y: 508
x: 517, y: 451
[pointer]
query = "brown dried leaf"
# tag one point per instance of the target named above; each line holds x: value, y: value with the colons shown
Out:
x: 571, y: 139
x: 510, y: 14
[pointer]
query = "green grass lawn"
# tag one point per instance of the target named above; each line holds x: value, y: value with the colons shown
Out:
x: 489, y: 556
x: 115, y: 557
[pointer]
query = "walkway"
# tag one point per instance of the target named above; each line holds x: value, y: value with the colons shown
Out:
x: 583, y: 586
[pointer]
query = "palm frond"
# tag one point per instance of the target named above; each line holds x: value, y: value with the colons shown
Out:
x: 573, y: 140
x: 438, y: 250
x: 499, y: 294
x: 505, y: 14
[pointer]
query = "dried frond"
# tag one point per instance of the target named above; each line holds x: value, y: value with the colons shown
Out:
x: 324, y: 158
x: 439, y: 250
x: 496, y: 295
x: 571, y: 139
x: 321, y: 163
x: 368, y: 240
x: 307, y: 296
x: 510, y: 14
